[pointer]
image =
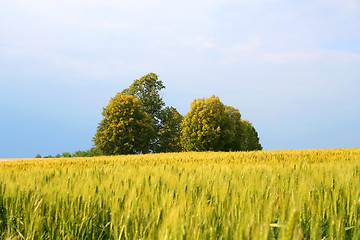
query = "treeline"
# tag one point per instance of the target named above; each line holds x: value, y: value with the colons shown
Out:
x: 92, y: 152
x: 137, y: 121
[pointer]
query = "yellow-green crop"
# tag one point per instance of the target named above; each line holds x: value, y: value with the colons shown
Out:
x: 308, y: 194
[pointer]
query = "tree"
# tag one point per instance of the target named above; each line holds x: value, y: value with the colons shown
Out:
x: 147, y: 89
x: 165, y: 120
x: 207, y: 126
x: 250, y: 138
x: 79, y: 154
x: 169, y: 131
x: 125, y: 128
x: 92, y: 152
x: 65, y: 155
x: 212, y: 126
x: 237, y: 128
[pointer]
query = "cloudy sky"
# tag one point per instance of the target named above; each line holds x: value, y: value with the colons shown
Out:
x: 291, y: 67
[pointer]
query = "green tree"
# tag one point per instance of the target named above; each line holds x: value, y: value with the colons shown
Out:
x: 65, y: 155
x: 212, y: 126
x: 207, y: 126
x: 250, y: 138
x: 92, y: 152
x: 147, y: 89
x: 237, y: 128
x: 165, y: 120
x: 169, y: 131
x: 79, y: 154
x: 125, y: 128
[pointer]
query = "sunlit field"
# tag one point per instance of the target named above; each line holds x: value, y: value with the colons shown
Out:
x: 308, y: 194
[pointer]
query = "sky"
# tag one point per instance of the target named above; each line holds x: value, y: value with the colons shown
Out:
x: 291, y: 67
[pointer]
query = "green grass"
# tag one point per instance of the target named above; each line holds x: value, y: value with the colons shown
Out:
x: 309, y: 194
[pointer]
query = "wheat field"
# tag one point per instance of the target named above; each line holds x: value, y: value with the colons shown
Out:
x: 294, y: 194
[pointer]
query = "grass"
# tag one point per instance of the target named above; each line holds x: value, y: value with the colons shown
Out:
x: 307, y: 194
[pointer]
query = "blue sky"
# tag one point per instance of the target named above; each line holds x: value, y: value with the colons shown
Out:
x: 291, y: 67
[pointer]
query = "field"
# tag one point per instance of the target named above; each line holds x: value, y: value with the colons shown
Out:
x: 307, y: 194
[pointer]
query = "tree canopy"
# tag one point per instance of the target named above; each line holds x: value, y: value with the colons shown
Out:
x: 169, y: 131
x: 212, y: 126
x: 137, y: 120
x: 250, y: 140
x: 206, y: 126
x: 125, y: 128
x: 147, y: 89
x: 165, y: 120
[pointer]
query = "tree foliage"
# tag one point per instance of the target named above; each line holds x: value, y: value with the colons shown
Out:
x: 250, y: 138
x: 237, y: 129
x: 125, y: 128
x: 165, y: 120
x: 64, y: 155
x: 92, y: 152
x: 206, y: 126
x: 169, y: 131
x: 138, y: 121
x: 147, y: 89
x: 212, y: 126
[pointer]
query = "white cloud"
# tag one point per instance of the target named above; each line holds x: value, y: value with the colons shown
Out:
x: 251, y: 45
x: 196, y: 41
x: 312, y: 57
x: 116, y: 25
